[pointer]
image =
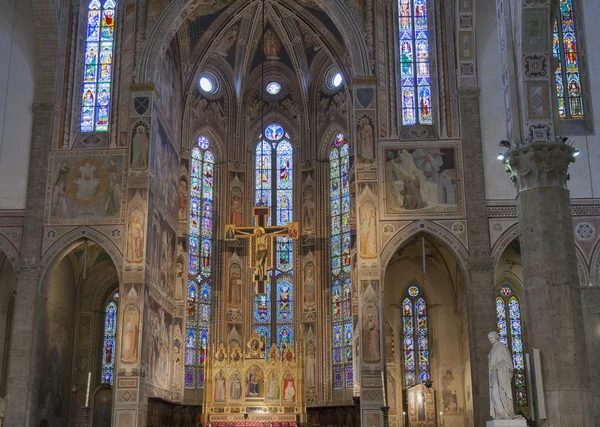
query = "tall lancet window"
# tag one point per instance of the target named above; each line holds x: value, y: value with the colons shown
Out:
x: 415, y: 75
x: 98, y: 63
x: 508, y: 320
x: 567, y: 74
x: 274, y: 187
x: 341, y: 288
x: 110, y: 339
x: 415, y: 328
x: 200, y: 263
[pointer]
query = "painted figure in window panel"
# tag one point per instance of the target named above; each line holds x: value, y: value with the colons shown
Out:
x: 274, y: 182
x: 339, y: 166
x: 200, y: 262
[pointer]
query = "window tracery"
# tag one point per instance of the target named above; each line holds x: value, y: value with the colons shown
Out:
x: 200, y: 263
x: 274, y: 188
x: 415, y: 328
x: 510, y: 331
x: 341, y: 289
x: 109, y: 340
x: 415, y: 74
x: 98, y: 63
x: 567, y: 76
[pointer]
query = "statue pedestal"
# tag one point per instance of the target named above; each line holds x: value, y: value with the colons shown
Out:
x: 507, y: 423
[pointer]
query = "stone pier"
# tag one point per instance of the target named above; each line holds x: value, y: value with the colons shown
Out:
x: 553, y: 296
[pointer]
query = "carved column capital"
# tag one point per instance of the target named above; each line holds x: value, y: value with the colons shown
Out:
x: 539, y: 165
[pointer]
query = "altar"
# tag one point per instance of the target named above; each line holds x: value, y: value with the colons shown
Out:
x: 255, y: 387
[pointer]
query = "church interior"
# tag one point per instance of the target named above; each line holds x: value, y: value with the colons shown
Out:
x: 299, y: 213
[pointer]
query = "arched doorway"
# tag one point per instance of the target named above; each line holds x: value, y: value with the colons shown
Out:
x: 77, y: 332
x: 426, y: 334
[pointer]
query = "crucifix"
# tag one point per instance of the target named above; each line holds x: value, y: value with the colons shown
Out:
x: 261, y: 256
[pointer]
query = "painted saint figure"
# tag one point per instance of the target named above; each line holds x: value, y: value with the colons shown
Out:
x: 129, y: 353
x: 371, y: 339
x: 135, y: 240
x: 236, y: 209
x: 367, y: 143
x: 59, y: 191
x: 220, y: 387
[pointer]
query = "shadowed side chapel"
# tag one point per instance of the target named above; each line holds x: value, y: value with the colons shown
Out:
x: 299, y: 213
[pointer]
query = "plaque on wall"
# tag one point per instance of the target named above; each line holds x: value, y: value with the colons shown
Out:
x: 421, y: 406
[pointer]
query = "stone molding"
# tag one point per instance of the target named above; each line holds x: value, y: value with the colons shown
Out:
x: 539, y: 165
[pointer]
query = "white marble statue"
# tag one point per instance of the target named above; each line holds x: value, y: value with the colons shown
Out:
x: 501, y: 374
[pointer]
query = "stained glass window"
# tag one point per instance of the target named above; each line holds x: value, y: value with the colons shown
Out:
x: 274, y: 188
x: 110, y: 339
x: 508, y: 322
x: 341, y: 290
x: 98, y: 63
x: 200, y: 263
x: 415, y: 76
x: 567, y: 74
x: 415, y: 329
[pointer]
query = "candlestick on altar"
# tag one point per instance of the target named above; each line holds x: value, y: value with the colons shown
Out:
x: 87, y: 394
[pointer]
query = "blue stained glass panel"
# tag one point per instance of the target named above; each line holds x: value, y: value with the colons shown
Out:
x: 337, y: 356
x: 284, y: 336
x: 414, y: 62
x: 349, y: 376
x: 108, y: 352
x: 338, y: 377
x: 274, y: 132
x: 337, y: 335
x: 98, y: 60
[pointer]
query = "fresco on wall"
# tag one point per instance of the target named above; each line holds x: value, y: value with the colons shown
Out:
x: 368, y: 230
x: 169, y: 88
x: 164, y: 164
x: 140, y: 145
x: 177, y: 354
x: 86, y: 189
x: 372, y: 352
x: 422, y: 180
x: 159, y: 344
x: 449, y: 397
x: 53, y: 397
x: 202, y: 16
x: 161, y: 247
x: 130, y: 340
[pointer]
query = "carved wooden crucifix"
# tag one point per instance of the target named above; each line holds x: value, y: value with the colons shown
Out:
x: 261, y: 255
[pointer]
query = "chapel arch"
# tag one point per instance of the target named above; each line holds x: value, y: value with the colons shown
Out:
x: 511, y: 315
x: 8, y: 292
x: 426, y: 327
x: 72, y: 329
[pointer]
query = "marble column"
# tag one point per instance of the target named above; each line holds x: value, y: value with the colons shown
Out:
x: 553, y: 297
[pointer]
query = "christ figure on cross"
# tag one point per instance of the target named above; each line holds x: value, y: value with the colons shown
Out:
x: 262, y: 241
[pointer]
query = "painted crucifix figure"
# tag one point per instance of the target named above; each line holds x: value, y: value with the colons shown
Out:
x: 261, y: 243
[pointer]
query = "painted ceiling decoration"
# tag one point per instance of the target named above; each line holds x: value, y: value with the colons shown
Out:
x: 229, y: 31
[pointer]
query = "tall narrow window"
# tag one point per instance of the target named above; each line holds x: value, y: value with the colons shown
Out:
x: 274, y: 182
x: 200, y: 263
x: 415, y: 327
x: 567, y: 74
x: 98, y: 62
x: 109, y: 341
x: 510, y: 331
x: 415, y: 77
x: 341, y: 290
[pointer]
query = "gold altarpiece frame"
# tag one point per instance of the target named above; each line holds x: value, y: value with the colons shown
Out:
x: 255, y: 387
